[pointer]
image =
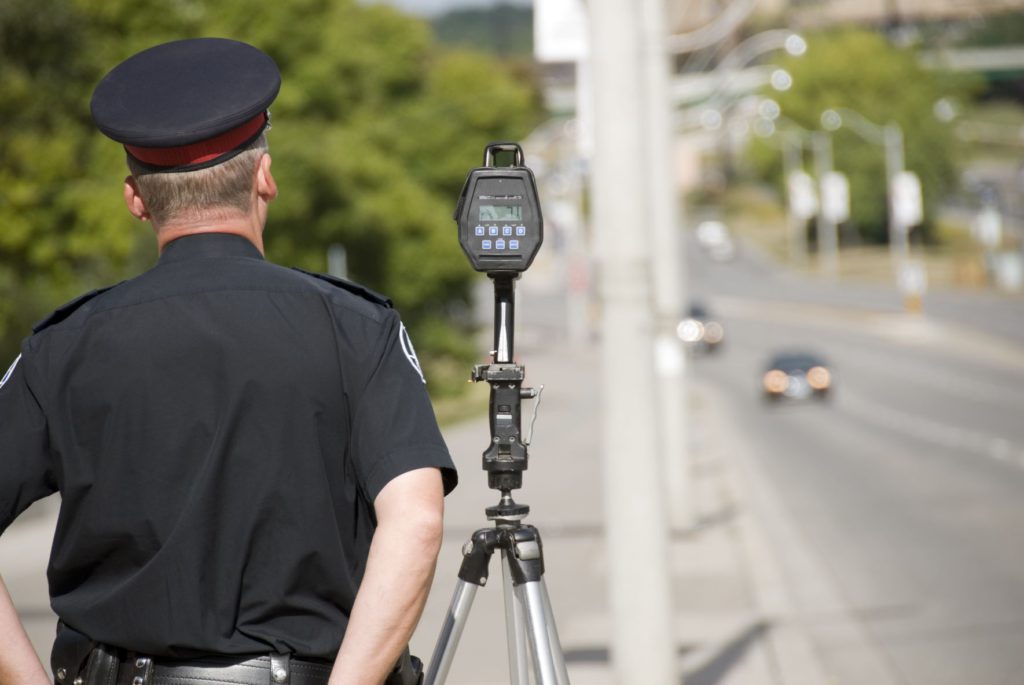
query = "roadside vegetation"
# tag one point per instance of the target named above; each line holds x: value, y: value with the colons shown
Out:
x: 951, y: 124
x: 373, y: 132
x: 861, y: 71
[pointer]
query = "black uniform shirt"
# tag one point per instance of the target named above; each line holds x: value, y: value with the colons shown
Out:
x: 218, y: 429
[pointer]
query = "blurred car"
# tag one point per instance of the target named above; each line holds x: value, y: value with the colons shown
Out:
x: 797, y: 376
x: 699, y: 331
x: 714, y: 238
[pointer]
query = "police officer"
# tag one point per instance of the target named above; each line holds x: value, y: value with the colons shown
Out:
x: 251, y: 474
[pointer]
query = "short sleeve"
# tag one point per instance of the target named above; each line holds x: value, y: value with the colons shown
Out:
x: 394, y: 429
x: 26, y: 473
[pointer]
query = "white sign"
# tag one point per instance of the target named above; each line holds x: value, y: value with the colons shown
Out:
x: 803, y: 201
x: 835, y: 197
x: 912, y: 278
x: 907, y: 205
x: 560, y: 31
x: 988, y: 227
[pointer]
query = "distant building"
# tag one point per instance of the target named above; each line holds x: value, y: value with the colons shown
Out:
x: 815, y: 13
x: 687, y: 15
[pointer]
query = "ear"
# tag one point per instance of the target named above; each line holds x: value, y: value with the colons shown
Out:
x: 134, y: 200
x: 266, y: 187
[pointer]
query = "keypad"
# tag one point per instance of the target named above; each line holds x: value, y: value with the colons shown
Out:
x: 500, y: 238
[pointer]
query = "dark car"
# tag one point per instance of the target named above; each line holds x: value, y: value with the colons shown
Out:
x: 797, y: 376
x: 699, y: 331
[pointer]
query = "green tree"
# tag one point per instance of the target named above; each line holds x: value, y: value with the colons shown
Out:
x: 861, y: 71
x: 373, y: 131
x: 503, y: 29
x: 1005, y: 28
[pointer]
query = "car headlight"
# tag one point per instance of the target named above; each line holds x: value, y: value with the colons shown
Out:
x: 819, y: 378
x: 713, y: 332
x: 776, y: 381
x: 690, y: 330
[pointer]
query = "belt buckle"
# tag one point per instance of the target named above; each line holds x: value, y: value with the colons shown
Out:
x: 280, y: 669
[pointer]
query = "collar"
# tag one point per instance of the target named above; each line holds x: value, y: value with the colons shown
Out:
x: 207, y: 245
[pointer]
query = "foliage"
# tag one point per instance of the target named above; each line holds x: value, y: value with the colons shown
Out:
x: 504, y: 29
x: 373, y: 132
x: 994, y: 30
x: 860, y: 71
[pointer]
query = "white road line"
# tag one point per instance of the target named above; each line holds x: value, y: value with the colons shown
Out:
x: 935, y: 432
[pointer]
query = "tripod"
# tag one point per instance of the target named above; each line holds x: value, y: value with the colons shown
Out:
x: 529, y: 622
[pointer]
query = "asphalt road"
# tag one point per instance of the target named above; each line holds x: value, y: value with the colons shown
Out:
x: 908, y: 486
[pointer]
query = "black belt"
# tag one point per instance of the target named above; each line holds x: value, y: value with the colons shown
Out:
x: 264, y: 670
x: 77, y: 660
x: 106, y: 666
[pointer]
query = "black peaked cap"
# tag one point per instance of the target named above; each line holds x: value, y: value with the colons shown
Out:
x: 184, y: 92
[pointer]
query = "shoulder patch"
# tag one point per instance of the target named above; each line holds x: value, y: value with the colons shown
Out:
x: 65, y: 310
x: 410, y: 352
x: 354, y: 288
x: 10, y: 371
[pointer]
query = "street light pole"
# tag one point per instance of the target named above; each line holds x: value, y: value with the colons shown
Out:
x: 801, y: 197
x: 724, y: 23
x: 749, y: 50
x: 792, y: 161
x: 899, y: 235
x: 890, y: 137
x: 825, y: 228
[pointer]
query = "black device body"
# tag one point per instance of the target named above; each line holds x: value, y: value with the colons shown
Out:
x: 501, y: 227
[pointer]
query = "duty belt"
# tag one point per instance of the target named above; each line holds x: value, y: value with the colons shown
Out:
x: 77, y: 660
x: 106, y: 666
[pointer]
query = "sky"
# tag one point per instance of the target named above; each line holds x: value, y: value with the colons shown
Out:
x: 432, y: 7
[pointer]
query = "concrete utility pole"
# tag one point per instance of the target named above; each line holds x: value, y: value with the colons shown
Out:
x: 666, y: 249
x: 643, y: 644
x: 796, y: 220
x: 899, y: 233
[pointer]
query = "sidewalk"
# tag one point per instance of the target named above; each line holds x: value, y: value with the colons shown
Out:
x: 734, y: 617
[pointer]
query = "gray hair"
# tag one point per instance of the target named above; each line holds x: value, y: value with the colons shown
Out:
x: 190, y: 194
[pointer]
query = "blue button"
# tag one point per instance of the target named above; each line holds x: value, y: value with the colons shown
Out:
x: 513, y: 244
x: 486, y: 244
x: 506, y: 230
x: 493, y: 230
x: 499, y: 244
x: 479, y: 230
x: 520, y: 230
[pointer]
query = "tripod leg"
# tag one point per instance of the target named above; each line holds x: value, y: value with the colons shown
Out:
x: 515, y: 629
x: 451, y: 631
x: 556, y: 644
x: 529, y: 594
